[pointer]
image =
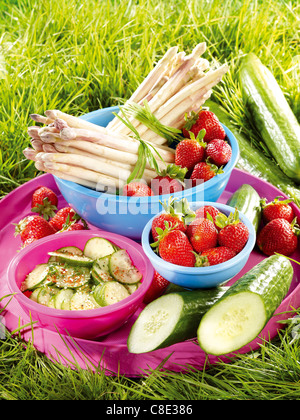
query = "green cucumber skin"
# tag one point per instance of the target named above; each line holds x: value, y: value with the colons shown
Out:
x: 272, y: 115
x: 254, y: 161
x: 271, y: 279
x: 247, y: 200
x: 196, y: 304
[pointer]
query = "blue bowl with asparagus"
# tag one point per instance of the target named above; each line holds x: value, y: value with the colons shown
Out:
x: 116, y: 166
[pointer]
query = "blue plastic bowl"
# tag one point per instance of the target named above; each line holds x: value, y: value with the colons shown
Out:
x: 128, y: 216
x: 200, y: 277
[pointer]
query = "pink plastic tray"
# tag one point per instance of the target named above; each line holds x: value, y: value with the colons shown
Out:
x: 110, y: 353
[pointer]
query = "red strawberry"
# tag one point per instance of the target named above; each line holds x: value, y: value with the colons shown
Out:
x: 34, y: 229
x: 190, y: 151
x: 202, y: 234
x: 177, y: 215
x: 205, y: 210
x: 277, y: 209
x: 137, y: 189
x: 169, y: 181
x: 234, y: 236
x: 203, y: 172
x: 63, y: 216
x: 74, y: 226
x: 214, y: 256
x: 174, y: 247
x: 278, y: 236
x: 206, y: 120
x: 156, y: 289
x: 219, y: 152
x: 44, y: 201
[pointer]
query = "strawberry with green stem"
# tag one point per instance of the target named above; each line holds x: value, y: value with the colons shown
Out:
x: 279, y: 236
x: 177, y: 214
x: 174, y: 247
x: 44, y: 202
x: 207, y: 120
x: 214, y: 256
x: 219, y: 152
x: 204, y: 171
x: 169, y: 181
x: 233, y: 233
x: 277, y: 209
x: 202, y: 234
x: 190, y: 151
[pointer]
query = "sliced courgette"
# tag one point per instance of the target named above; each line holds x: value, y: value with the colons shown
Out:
x: 45, y: 294
x: 122, y: 269
x: 99, y: 274
x: 63, y: 298
x: 98, y: 248
x: 63, y: 276
x: 243, y: 311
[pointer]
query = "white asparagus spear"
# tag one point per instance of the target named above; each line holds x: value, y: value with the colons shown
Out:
x: 41, y: 119
x: 30, y: 153
x: 153, y: 77
x: 60, y: 147
x: 40, y: 167
x: 85, y: 162
x: 37, y: 144
x: 86, y: 174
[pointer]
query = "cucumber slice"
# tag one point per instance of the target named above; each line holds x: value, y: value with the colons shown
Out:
x: 98, y: 248
x: 243, y: 311
x: 46, y: 293
x: 100, y: 275
x: 110, y: 293
x: 72, y: 259
x: 63, y: 298
x: 68, y: 250
x: 170, y: 319
x: 34, y: 294
x: 103, y: 263
x: 67, y: 276
x: 122, y: 269
x: 131, y: 288
x: 35, y: 278
x: 82, y: 301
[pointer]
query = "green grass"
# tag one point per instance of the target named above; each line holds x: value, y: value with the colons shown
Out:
x: 80, y: 56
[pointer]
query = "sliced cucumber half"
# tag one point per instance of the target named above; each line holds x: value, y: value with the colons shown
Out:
x: 82, y: 301
x: 98, y: 248
x: 69, y: 258
x: 122, y: 269
x: 232, y: 323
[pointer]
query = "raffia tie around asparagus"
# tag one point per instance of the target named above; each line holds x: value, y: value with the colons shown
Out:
x: 137, y: 140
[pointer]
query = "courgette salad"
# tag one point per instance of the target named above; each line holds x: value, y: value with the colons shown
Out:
x: 100, y: 275
x: 223, y: 319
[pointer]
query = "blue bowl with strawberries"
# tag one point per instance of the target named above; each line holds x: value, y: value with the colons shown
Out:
x: 202, y: 253
x: 128, y: 215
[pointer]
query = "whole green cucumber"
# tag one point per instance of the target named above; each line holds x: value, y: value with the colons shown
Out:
x: 254, y: 161
x: 271, y: 114
x: 170, y: 319
x: 247, y: 200
x: 243, y: 311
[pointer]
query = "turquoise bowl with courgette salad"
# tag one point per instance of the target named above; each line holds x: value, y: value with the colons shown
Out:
x: 84, y: 283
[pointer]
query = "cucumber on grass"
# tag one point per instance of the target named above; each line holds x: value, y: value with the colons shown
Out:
x: 272, y: 114
x: 254, y: 161
x: 247, y: 200
x: 170, y: 319
x: 243, y: 311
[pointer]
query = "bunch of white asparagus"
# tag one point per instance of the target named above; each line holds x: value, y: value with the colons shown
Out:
x: 97, y: 157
